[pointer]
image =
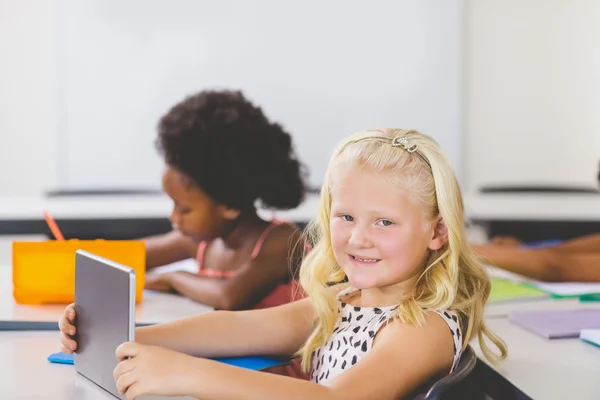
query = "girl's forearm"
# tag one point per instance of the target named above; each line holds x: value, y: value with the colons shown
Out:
x: 213, y: 334
x: 532, y: 263
x: 208, y: 291
x: 234, y: 333
x: 213, y: 380
x: 584, y: 244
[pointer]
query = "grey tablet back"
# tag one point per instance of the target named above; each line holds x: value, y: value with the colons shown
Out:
x: 105, y: 308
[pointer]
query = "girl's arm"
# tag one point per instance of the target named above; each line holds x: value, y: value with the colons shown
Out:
x: 584, y: 244
x: 277, y: 331
x: 251, y: 283
x: 545, y: 264
x: 168, y: 248
x: 403, y: 358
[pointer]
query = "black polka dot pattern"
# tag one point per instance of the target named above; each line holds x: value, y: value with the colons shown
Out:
x: 353, y: 337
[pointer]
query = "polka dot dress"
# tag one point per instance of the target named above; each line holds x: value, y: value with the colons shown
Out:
x: 353, y: 337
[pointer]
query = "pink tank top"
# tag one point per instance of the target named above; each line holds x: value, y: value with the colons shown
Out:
x: 282, y: 294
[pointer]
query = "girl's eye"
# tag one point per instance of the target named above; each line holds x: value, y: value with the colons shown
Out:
x: 347, y: 218
x: 385, y: 222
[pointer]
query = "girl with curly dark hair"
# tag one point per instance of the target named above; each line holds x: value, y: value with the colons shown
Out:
x: 224, y: 158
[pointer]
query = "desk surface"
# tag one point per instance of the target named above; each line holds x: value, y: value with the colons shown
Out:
x: 532, y: 363
x: 155, y: 307
x: 26, y: 375
x: 534, y: 207
x: 530, y: 366
x: 503, y: 309
x: 121, y: 206
x: 542, y: 368
x: 489, y: 206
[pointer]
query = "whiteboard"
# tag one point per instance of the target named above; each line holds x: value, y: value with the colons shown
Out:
x: 323, y: 69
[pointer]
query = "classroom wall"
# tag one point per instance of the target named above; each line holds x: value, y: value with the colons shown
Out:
x: 121, y: 69
x: 28, y: 97
x: 427, y: 78
x: 533, y: 95
x: 532, y: 75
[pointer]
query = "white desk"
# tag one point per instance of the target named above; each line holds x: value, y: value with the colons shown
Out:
x: 502, y: 309
x: 533, y: 207
x: 154, y: 307
x: 531, y: 365
x: 110, y: 217
x: 533, y: 217
x: 546, y: 369
x: 118, y: 206
x: 498, y: 206
x: 27, y: 375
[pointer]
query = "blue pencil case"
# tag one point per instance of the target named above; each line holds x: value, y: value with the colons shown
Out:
x: 254, y: 363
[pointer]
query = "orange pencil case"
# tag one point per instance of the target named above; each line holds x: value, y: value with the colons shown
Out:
x: 44, y: 272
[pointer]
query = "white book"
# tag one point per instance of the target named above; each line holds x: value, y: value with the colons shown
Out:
x: 189, y: 265
x: 591, y: 336
x: 566, y: 289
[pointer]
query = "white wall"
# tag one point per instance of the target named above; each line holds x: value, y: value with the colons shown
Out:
x: 28, y: 97
x: 323, y: 69
x: 533, y: 93
x: 533, y: 96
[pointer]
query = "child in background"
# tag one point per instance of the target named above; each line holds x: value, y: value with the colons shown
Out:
x: 394, y: 294
x: 222, y: 156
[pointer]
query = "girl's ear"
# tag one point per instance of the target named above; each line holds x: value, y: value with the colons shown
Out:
x: 440, y: 234
x: 230, y: 213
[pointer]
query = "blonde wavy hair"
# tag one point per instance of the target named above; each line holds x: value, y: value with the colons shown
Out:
x: 453, y: 277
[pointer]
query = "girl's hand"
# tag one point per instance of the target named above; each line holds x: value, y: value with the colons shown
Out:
x: 158, y: 282
x: 144, y: 369
x: 66, y: 325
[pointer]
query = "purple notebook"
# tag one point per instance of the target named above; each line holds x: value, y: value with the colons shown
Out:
x: 557, y: 324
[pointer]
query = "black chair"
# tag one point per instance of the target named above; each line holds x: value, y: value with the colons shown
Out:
x: 459, y: 384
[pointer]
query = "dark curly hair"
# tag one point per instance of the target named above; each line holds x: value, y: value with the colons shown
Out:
x: 228, y: 147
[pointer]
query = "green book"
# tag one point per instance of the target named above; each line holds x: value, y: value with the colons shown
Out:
x: 505, y: 290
